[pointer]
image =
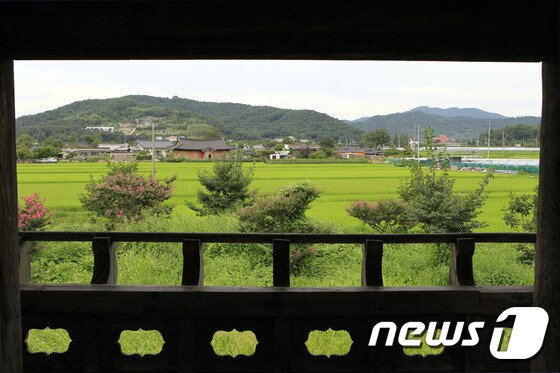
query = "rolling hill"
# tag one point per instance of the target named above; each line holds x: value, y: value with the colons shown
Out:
x: 441, y: 120
x: 235, y: 121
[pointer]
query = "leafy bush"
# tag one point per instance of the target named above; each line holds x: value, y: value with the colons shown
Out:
x: 283, y: 212
x: 32, y: 213
x: 227, y: 188
x: 123, y: 195
x: 521, y: 214
x: 384, y: 216
x: 433, y: 204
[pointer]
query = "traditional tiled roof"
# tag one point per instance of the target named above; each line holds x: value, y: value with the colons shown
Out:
x: 158, y: 144
x: 213, y: 144
x: 358, y: 149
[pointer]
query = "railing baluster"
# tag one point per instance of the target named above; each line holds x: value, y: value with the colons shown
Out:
x: 104, y: 261
x: 193, y: 263
x: 281, y: 262
x: 372, y: 263
x: 24, y: 262
x: 461, y: 266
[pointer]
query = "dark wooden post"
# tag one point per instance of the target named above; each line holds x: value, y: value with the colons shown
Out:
x: 193, y: 263
x: 547, y: 262
x: 372, y: 263
x: 24, y: 261
x: 10, y: 314
x: 281, y: 262
x: 104, y: 261
x: 461, y: 266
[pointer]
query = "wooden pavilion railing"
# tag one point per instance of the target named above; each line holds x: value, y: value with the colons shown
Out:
x: 281, y: 317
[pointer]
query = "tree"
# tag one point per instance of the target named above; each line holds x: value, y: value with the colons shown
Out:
x: 53, y: 142
x: 26, y: 140
x: 24, y: 152
x: 47, y: 151
x: 327, y: 144
x: 521, y: 214
x: 125, y: 196
x: 227, y: 188
x: 202, y: 131
x: 433, y: 204
x: 378, y: 137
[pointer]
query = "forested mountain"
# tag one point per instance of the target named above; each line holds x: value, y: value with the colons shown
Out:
x: 461, y: 128
x: 453, y: 112
x: 236, y: 121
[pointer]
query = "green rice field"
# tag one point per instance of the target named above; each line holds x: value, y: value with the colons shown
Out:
x: 62, y: 183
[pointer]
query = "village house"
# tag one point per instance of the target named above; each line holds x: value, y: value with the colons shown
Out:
x: 201, y: 149
x: 162, y: 147
x: 444, y: 140
x: 358, y: 151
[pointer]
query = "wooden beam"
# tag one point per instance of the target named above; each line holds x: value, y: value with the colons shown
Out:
x: 105, y: 269
x: 480, y: 30
x: 281, y: 263
x: 547, y: 262
x: 10, y: 316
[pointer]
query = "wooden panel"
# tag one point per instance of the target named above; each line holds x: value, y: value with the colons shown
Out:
x: 513, y: 30
x: 461, y: 265
x: 10, y: 321
x: 104, y: 261
x: 372, y: 263
x: 137, y: 300
x: 281, y: 263
x: 547, y: 276
x: 193, y: 262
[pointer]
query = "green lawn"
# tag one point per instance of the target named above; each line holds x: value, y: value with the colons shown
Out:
x: 333, y: 265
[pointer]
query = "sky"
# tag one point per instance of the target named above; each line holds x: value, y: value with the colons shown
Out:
x: 342, y: 89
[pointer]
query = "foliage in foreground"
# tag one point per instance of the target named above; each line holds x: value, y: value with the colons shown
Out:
x: 227, y: 188
x: 125, y: 196
x: 32, y: 213
x: 521, y: 215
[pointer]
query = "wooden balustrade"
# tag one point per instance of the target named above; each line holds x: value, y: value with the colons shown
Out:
x: 281, y: 317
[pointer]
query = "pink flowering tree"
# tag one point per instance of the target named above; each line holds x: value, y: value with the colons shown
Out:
x: 32, y: 213
x: 125, y: 196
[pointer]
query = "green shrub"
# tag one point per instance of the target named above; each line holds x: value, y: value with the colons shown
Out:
x: 227, y: 188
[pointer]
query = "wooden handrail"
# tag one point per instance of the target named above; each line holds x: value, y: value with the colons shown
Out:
x: 104, y: 245
x: 270, y: 237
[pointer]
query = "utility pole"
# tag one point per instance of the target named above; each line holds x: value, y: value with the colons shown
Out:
x: 418, y: 147
x: 153, y: 150
x: 503, y: 142
x: 489, y: 130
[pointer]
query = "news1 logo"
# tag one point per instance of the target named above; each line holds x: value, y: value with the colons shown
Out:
x: 526, y: 339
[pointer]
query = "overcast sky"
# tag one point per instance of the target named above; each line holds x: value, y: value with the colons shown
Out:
x: 343, y: 89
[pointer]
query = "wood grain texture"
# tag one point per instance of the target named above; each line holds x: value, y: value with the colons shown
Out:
x: 547, y: 263
x: 10, y: 318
